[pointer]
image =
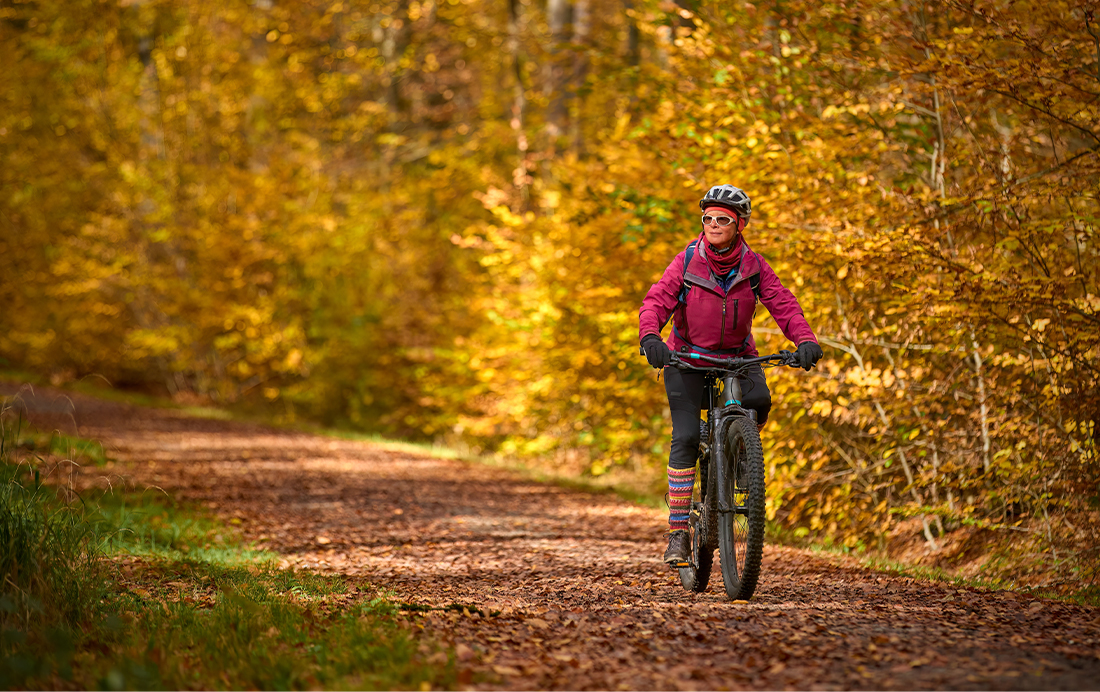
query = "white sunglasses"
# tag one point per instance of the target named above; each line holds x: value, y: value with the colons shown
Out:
x: 720, y: 220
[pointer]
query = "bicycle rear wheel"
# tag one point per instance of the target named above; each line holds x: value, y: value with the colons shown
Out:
x: 701, y: 527
x: 741, y: 530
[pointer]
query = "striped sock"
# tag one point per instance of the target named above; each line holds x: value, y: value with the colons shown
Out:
x: 680, y: 482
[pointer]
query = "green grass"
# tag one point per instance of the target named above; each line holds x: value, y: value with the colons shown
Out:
x: 134, y: 591
x: 81, y: 451
x: 187, y: 624
x: 52, y: 580
x: 151, y: 525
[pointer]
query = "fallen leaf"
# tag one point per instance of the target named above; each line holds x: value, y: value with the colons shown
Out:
x: 463, y: 653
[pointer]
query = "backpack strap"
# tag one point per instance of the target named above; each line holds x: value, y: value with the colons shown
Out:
x: 754, y: 280
x: 689, y: 252
x: 681, y: 297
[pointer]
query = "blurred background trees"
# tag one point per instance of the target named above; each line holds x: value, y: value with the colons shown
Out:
x: 437, y: 220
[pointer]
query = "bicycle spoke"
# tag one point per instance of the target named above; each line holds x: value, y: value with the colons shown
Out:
x: 741, y: 533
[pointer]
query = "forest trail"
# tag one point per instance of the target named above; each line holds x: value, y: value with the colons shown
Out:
x: 565, y: 590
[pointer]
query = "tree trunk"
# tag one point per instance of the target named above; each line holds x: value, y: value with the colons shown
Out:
x: 581, y: 28
x: 560, y: 18
x: 519, y: 102
x: 633, y: 36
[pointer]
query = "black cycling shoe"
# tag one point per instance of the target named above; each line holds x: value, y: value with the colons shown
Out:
x: 679, y: 549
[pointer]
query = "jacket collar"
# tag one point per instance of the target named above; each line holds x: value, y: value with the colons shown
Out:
x: 699, y: 271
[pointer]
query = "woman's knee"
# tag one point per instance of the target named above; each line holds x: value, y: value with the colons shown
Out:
x: 685, y: 440
x: 762, y: 411
x: 761, y: 402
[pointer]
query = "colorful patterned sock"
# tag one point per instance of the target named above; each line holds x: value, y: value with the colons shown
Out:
x: 680, y: 483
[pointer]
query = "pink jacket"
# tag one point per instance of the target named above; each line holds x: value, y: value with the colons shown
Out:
x: 716, y: 320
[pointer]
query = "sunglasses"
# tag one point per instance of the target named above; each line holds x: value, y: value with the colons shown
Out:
x: 720, y: 220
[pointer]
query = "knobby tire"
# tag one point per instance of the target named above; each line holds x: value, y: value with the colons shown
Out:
x: 741, y: 532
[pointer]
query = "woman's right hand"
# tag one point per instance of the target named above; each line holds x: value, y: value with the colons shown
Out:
x: 656, y: 351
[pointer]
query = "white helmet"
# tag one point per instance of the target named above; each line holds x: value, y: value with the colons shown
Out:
x: 730, y: 197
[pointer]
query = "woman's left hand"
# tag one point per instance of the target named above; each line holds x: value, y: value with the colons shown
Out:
x: 808, y: 354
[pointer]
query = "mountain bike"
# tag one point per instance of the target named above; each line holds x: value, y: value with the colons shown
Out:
x: 727, y: 508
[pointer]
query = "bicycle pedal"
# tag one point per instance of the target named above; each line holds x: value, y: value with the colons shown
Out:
x: 678, y: 565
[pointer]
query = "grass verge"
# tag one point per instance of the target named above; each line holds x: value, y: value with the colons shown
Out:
x: 123, y: 591
x: 995, y: 578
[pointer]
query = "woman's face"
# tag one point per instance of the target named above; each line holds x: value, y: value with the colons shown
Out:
x: 721, y: 236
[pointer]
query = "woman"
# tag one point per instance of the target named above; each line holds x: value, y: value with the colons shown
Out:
x: 710, y: 291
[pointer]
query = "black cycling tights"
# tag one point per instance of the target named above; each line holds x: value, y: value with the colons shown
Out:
x: 685, y: 400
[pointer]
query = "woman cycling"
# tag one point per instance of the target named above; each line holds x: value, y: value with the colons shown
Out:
x: 722, y: 279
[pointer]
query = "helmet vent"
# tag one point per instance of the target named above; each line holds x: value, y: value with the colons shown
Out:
x: 730, y: 197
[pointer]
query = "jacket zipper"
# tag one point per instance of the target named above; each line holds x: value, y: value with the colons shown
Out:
x: 735, y: 312
x: 722, y: 333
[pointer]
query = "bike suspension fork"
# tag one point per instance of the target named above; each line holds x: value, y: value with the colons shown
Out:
x: 718, y: 458
x: 731, y: 391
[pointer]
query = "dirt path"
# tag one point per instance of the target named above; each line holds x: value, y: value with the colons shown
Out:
x: 580, y: 598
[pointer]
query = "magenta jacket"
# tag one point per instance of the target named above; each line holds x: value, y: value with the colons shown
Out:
x: 715, y: 320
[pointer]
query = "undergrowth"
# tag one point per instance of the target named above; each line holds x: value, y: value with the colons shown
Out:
x: 132, y: 591
x: 997, y: 573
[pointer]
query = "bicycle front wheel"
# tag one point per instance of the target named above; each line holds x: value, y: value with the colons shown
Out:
x: 741, y: 529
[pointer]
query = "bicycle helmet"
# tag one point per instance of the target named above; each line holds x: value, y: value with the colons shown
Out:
x: 730, y: 197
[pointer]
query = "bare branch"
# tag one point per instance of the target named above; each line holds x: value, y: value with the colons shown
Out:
x: 1096, y: 40
x: 1044, y: 111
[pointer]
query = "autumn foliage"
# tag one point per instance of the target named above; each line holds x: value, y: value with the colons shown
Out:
x: 437, y: 219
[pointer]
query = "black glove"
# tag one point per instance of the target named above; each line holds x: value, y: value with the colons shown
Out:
x: 808, y: 354
x: 656, y: 352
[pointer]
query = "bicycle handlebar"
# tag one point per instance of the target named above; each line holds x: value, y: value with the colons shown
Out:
x: 788, y: 358
x: 732, y: 364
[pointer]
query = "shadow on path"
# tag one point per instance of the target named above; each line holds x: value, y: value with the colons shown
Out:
x: 566, y: 588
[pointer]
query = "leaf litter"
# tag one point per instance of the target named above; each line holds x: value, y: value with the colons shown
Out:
x: 533, y: 586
